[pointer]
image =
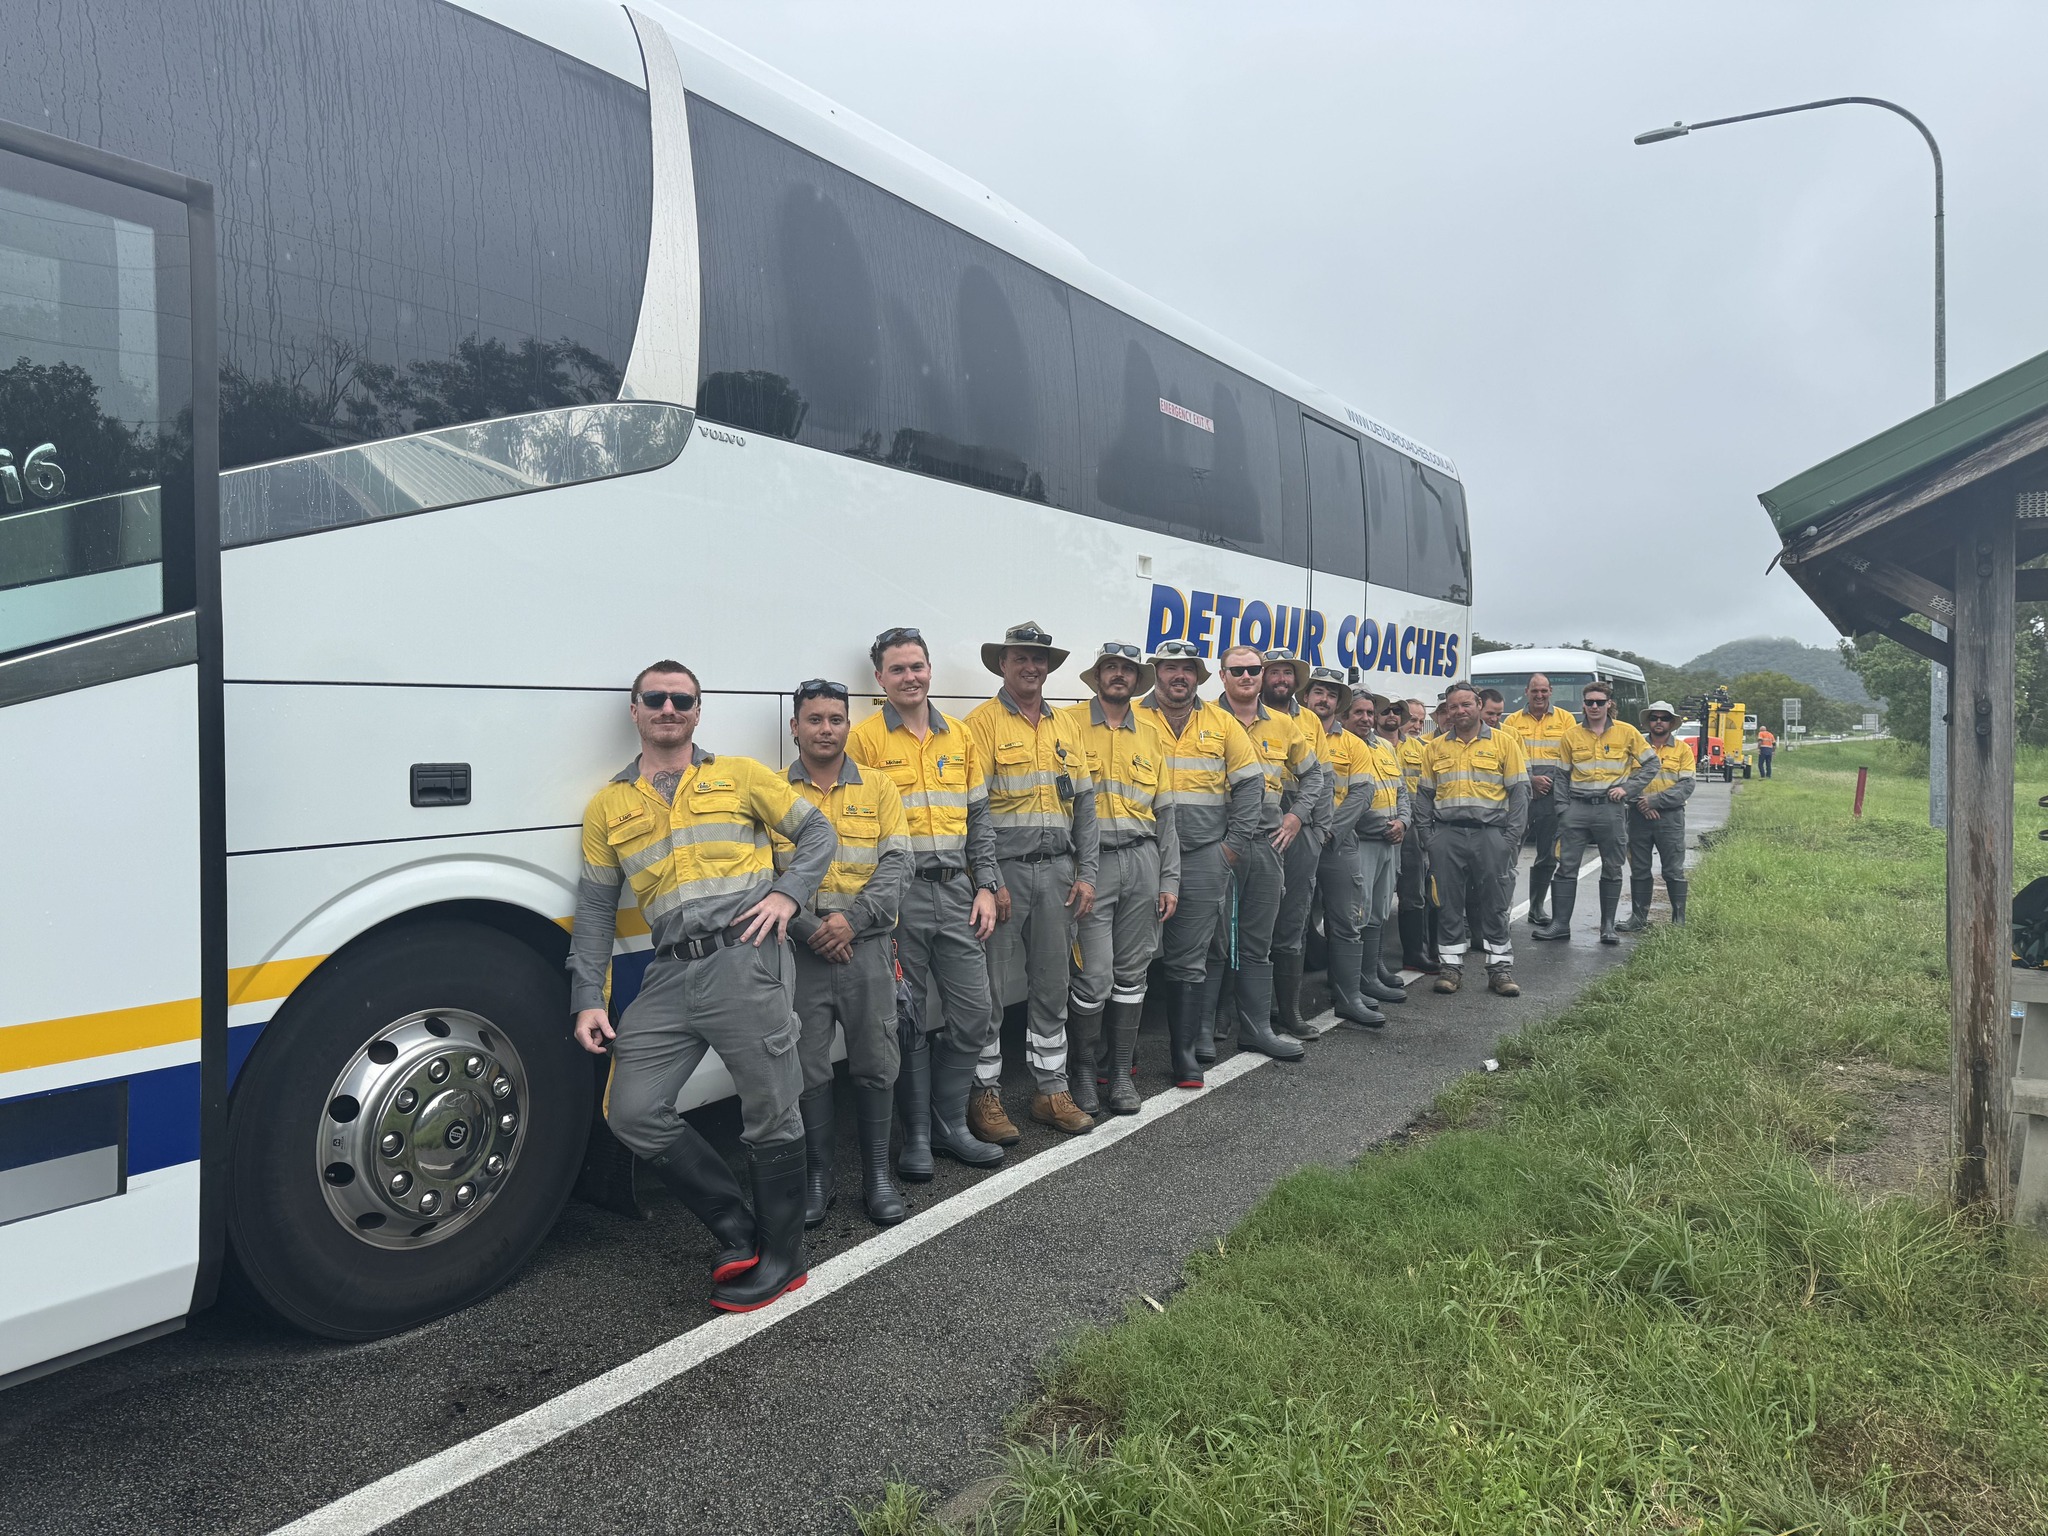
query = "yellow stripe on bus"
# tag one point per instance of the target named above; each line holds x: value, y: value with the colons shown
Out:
x: 53, y: 1041
x: 271, y: 979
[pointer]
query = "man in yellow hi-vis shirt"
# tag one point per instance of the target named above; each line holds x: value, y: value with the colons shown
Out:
x: 1293, y: 778
x: 1217, y: 788
x: 1418, y: 943
x: 1340, y: 881
x: 1041, y: 802
x: 1542, y: 731
x: 690, y: 833
x: 1472, y: 807
x: 1140, y: 875
x: 948, y: 910
x: 1315, y: 802
x: 1656, y: 819
x: 845, y: 965
x: 1609, y: 763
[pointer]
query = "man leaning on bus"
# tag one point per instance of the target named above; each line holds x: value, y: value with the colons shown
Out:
x: 690, y: 833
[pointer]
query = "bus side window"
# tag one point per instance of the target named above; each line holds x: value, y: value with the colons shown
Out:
x: 1440, y: 547
x: 1388, y: 511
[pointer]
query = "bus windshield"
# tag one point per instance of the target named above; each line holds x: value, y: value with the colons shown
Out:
x: 1564, y: 687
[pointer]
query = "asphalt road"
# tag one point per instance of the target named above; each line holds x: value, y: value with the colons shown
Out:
x: 235, y: 1425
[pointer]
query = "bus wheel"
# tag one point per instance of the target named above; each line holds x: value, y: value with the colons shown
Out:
x: 406, y: 1131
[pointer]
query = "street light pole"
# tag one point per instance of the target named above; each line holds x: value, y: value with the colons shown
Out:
x: 1937, y: 701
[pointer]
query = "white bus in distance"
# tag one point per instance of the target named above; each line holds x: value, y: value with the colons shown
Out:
x: 1569, y: 671
x: 383, y: 387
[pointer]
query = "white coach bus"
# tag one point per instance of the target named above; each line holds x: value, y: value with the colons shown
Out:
x: 381, y: 385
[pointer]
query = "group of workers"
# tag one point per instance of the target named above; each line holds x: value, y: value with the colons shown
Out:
x: 917, y: 854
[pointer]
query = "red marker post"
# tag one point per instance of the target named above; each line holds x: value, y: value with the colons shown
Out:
x: 1862, y: 779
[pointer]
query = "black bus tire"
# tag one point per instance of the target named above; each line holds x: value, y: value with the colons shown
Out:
x: 288, y: 1248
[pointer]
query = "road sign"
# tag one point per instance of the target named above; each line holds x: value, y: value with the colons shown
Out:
x: 1794, y: 709
x: 1870, y: 721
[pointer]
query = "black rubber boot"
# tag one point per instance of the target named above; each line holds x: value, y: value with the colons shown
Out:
x: 1287, y: 995
x: 1373, y: 981
x: 1676, y: 889
x: 1610, y: 903
x: 1434, y: 925
x: 952, y: 1080
x: 914, y: 1104
x: 1564, y: 896
x: 1209, y: 1000
x: 1184, y: 1003
x: 778, y: 1171
x: 692, y: 1168
x: 1254, y: 1002
x: 1347, y: 959
x: 1414, y: 944
x: 1539, y: 898
x: 1638, y: 907
x: 821, y: 1180
x: 1390, y: 976
x: 884, y: 1205
x: 1121, y: 1026
x: 1084, y: 1049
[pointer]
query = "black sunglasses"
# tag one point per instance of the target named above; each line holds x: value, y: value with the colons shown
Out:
x: 1027, y: 634
x: 819, y: 688
x: 1178, y: 650
x: 1118, y: 648
x: 1603, y: 703
x: 889, y: 637
x: 655, y: 698
x: 1252, y: 671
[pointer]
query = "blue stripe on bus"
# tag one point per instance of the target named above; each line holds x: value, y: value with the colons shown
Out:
x: 41, y: 1127
x: 628, y: 970
x: 163, y: 1120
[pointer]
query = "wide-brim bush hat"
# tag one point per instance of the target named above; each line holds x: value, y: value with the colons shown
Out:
x: 1119, y: 650
x: 1301, y: 668
x: 1330, y: 677
x: 1031, y: 636
x: 1179, y: 650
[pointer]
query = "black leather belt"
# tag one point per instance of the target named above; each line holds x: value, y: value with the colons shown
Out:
x: 697, y: 949
x: 1038, y: 858
x: 939, y: 872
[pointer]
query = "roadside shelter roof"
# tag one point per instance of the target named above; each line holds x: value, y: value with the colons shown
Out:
x: 1814, y: 496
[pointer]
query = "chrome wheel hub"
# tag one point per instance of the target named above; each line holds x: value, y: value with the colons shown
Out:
x: 421, y: 1128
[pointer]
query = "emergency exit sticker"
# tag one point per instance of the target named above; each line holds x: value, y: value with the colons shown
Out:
x: 1182, y: 413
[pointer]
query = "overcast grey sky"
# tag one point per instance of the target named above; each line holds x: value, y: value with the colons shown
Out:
x: 1435, y: 211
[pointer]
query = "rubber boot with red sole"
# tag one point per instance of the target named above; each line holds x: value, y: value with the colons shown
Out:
x: 778, y: 1171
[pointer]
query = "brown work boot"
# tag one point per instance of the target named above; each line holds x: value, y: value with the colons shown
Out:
x: 986, y: 1120
x: 1059, y: 1111
x: 1501, y: 980
x: 1451, y: 976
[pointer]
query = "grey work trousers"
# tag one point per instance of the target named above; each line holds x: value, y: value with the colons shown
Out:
x: 1040, y: 933
x: 1379, y: 864
x: 1256, y: 884
x: 935, y: 940
x: 1603, y: 823
x: 1413, y: 882
x: 1546, y: 826
x: 1665, y: 837
x: 1186, y: 939
x: 1118, y: 939
x: 1340, y: 885
x: 1470, y: 861
x: 739, y: 1002
x: 859, y: 996
x: 1299, y: 867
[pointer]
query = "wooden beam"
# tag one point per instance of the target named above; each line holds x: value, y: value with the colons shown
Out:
x: 1980, y: 780
x: 1904, y: 586
x: 2030, y: 586
x: 1918, y: 641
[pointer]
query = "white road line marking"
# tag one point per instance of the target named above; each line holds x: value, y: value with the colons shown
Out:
x: 389, y: 1498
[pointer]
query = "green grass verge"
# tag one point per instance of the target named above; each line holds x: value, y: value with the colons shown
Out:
x: 1613, y: 1294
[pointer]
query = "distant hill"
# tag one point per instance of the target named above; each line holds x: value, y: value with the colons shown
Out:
x: 1810, y: 664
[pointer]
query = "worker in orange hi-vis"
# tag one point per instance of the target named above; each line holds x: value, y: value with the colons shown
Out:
x: 1766, y: 744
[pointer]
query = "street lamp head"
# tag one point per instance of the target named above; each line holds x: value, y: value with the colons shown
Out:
x: 1659, y: 135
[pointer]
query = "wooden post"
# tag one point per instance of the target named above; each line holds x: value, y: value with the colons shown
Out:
x: 1980, y: 748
